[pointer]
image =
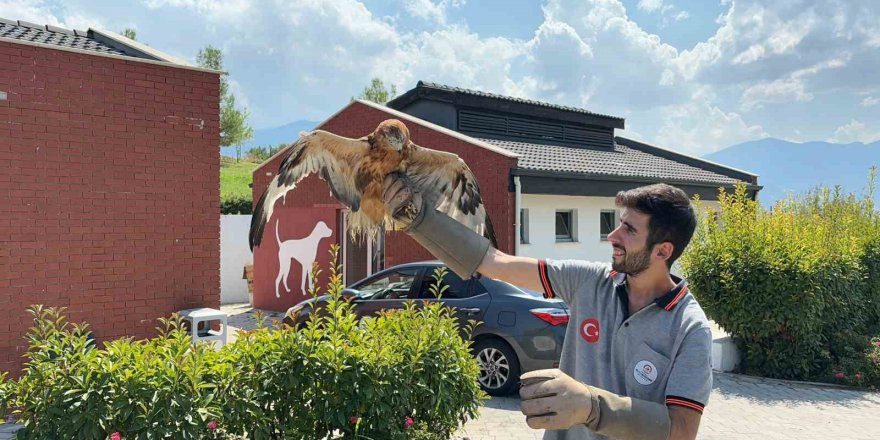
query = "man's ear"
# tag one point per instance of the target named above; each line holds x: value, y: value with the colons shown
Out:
x: 664, y: 250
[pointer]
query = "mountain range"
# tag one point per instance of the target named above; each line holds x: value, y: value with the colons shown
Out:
x: 785, y: 167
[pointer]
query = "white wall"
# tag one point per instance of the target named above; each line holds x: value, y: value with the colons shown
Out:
x: 542, y: 227
x: 234, y: 253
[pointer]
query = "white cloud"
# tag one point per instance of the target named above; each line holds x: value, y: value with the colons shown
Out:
x: 789, y: 89
x: 683, y: 15
x: 600, y: 59
x: 699, y: 128
x: 650, y: 5
x: 430, y: 9
x: 870, y: 101
x: 40, y: 12
x: 760, y: 41
x: 855, y: 131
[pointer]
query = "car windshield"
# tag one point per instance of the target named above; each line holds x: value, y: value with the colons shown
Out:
x: 392, y: 285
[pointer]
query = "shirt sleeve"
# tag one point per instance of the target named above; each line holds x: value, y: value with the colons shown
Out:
x: 690, y: 381
x: 564, y: 278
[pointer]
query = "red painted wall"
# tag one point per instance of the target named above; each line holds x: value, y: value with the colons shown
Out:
x: 295, y: 227
x: 491, y: 169
x: 109, y: 192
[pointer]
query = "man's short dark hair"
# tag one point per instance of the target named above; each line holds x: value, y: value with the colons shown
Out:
x: 672, y: 218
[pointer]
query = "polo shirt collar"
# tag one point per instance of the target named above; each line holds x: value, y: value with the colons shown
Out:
x: 668, y: 300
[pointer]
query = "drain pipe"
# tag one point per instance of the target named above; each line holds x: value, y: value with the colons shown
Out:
x: 517, y: 206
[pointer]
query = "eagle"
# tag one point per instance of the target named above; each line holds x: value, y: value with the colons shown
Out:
x: 356, y: 169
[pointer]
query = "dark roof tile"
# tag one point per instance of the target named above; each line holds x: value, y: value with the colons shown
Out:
x: 624, y: 161
x: 34, y: 33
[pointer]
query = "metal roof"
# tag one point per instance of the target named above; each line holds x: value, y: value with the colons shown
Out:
x: 628, y: 159
x: 46, y: 34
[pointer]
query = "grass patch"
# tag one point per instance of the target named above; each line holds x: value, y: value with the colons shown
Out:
x: 235, y: 178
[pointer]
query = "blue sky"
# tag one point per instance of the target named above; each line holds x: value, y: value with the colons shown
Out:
x: 691, y: 75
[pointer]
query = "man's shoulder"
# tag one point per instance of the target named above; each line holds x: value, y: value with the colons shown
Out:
x: 692, y: 314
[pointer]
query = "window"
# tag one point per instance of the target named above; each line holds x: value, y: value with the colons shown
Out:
x: 457, y: 288
x: 607, y: 223
x: 393, y: 285
x: 524, y: 226
x: 566, y: 225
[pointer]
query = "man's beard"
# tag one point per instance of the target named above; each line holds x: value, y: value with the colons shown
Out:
x: 633, y: 263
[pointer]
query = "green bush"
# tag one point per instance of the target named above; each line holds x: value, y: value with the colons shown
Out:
x: 793, y: 283
x: 406, y: 374
x: 236, y: 205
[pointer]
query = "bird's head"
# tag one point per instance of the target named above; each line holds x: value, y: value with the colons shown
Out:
x: 391, y: 134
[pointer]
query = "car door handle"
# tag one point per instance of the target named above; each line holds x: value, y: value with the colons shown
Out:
x: 470, y: 310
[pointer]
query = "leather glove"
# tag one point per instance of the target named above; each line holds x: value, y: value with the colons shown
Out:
x: 403, y: 203
x: 445, y: 238
x: 552, y: 399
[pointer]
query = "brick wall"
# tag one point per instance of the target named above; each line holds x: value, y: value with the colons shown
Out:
x: 491, y: 169
x: 109, y: 192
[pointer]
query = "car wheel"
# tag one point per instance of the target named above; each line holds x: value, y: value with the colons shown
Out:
x: 499, y: 366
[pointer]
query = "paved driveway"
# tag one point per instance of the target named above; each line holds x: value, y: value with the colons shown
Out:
x: 741, y: 407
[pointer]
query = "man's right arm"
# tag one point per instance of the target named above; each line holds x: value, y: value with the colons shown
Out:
x: 519, y: 271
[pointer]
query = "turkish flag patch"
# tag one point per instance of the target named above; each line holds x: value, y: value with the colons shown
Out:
x: 590, y: 330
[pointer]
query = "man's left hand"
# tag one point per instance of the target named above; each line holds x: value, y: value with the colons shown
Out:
x: 552, y: 399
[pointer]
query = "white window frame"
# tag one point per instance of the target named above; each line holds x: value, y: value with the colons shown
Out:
x: 572, y: 225
x: 604, y: 237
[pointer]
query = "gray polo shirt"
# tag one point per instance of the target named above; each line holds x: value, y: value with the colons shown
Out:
x: 660, y: 353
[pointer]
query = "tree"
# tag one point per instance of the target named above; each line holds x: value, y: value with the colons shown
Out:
x: 377, y: 92
x: 129, y: 33
x: 234, y: 129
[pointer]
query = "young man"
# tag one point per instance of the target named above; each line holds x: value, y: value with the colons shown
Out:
x: 636, y: 359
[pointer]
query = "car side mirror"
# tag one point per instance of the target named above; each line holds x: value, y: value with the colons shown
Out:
x: 349, y: 294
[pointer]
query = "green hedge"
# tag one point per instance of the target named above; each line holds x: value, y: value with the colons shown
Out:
x: 236, y: 205
x: 406, y: 374
x: 796, y: 285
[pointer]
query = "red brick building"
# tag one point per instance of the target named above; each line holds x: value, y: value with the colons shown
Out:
x: 547, y: 174
x: 311, y: 202
x: 109, y: 183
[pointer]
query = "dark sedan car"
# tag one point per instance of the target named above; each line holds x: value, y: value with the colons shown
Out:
x: 521, y: 331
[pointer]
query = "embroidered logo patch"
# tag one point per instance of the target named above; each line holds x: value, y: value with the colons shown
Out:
x: 645, y: 372
x: 590, y: 330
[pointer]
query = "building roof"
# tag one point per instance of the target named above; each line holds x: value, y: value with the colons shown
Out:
x: 94, y: 41
x: 628, y: 159
x: 492, y: 101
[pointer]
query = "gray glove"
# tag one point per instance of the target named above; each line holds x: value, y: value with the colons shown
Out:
x: 450, y: 241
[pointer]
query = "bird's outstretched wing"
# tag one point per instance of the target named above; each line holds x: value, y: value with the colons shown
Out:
x: 335, y: 159
x: 450, y: 186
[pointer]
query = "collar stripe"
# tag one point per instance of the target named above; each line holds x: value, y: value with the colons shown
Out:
x: 677, y: 298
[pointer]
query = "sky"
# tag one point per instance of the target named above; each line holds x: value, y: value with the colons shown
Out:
x: 694, y: 76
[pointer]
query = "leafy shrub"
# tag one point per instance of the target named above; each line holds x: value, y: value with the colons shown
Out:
x: 788, y: 282
x: 147, y: 389
x: 404, y: 374
x: 236, y: 205
x: 261, y: 154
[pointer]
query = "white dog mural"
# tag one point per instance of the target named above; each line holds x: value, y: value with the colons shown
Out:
x: 303, y: 250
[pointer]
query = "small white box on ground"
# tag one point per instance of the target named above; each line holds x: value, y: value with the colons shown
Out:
x: 207, y: 317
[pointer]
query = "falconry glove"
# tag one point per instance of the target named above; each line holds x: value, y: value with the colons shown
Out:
x: 552, y: 399
x: 451, y: 242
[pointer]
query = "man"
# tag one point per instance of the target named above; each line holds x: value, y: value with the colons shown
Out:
x: 636, y: 359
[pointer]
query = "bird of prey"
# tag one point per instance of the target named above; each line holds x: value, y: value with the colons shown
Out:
x: 355, y: 170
